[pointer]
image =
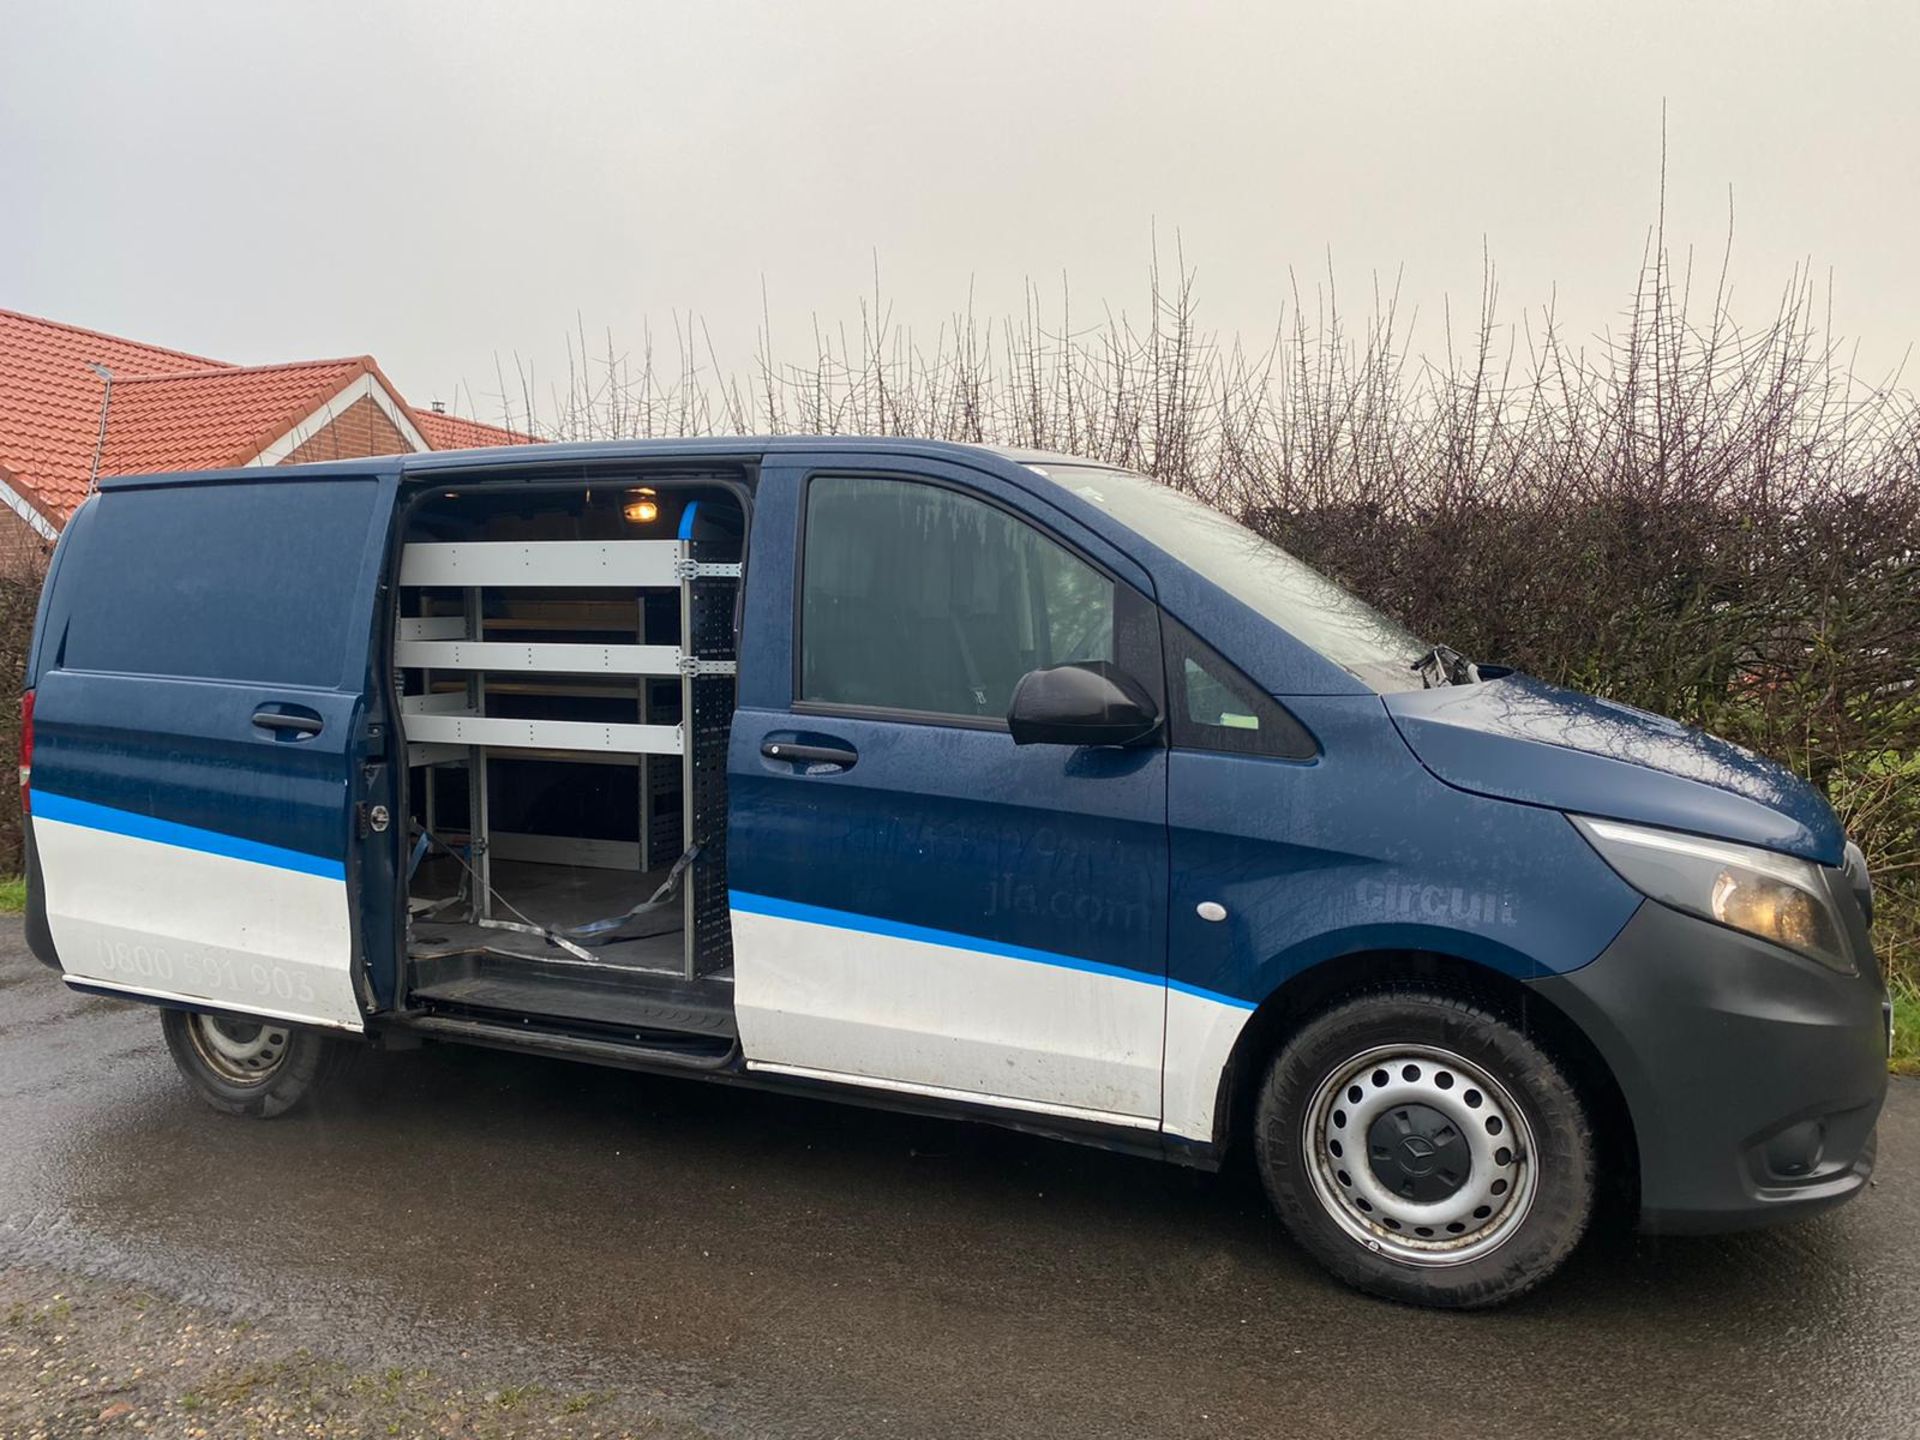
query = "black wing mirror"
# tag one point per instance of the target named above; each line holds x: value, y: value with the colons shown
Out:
x: 1090, y: 702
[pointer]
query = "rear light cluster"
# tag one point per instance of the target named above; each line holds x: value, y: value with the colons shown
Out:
x: 26, y: 750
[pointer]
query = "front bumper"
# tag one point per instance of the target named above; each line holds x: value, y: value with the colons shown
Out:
x: 1753, y: 1077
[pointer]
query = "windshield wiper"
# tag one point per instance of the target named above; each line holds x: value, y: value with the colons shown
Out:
x: 1444, y: 665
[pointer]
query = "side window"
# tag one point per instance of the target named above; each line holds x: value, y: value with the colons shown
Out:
x: 918, y: 598
x: 1215, y: 707
x: 251, y: 581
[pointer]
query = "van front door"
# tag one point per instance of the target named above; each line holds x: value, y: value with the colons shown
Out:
x: 201, y: 738
x: 918, y: 904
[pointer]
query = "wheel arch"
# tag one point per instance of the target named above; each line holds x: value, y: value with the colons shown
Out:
x: 1320, y: 987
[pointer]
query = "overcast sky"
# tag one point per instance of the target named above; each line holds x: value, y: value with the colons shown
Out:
x: 433, y: 184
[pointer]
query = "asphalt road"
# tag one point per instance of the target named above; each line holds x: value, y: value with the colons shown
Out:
x: 759, y: 1265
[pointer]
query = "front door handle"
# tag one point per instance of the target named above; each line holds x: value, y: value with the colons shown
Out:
x: 292, y: 724
x: 799, y: 754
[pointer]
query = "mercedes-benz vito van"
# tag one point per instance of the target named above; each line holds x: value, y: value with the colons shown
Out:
x: 994, y: 784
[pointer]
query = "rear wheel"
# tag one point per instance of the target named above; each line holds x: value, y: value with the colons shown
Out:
x: 246, y: 1066
x: 1423, y: 1149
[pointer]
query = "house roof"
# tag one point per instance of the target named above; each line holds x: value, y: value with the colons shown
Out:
x: 222, y: 416
x: 456, y: 432
x: 50, y: 401
x: 169, y: 411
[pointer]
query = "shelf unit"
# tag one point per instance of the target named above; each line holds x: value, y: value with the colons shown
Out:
x: 462, y: 664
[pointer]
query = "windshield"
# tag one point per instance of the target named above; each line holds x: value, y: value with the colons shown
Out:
x: 1256, y: 572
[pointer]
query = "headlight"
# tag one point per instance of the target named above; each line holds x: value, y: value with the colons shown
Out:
x: 1777, y: 897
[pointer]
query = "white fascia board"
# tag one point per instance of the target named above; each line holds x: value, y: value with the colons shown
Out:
x: 20, y: 506
x: 366, y: 387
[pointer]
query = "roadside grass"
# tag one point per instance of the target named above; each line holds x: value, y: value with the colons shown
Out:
x: 1906, y: 1032
x: 13, y: 895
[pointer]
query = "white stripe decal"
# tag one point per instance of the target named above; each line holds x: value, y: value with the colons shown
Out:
x: 1201, y: 1032
x: 743, y: 900
x: 840, y: 995
x: 922, y: 1013
x: 237, y: 934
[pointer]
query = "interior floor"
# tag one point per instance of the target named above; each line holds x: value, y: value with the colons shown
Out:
x: 558, y: 897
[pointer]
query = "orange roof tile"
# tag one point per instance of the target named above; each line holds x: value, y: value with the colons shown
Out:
x: 206, y: 419
x: 169, y: 410
x: 50, y: 402
x: 456, y: 432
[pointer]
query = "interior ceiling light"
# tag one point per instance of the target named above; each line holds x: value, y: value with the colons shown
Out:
x: 641, y: 508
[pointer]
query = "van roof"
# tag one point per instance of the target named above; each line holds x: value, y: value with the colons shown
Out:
x: 599, y: 453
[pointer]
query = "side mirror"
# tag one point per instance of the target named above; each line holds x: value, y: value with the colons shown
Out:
x: 1091, y: 702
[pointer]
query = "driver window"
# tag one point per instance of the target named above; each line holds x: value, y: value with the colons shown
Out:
x: 919, y: 598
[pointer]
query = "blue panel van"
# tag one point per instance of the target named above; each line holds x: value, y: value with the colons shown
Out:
x: 988, y: 783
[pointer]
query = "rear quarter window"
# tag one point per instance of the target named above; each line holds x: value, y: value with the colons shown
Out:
x: 247, y: 582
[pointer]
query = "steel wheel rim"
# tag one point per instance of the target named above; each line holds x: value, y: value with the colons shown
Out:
x: 1355, y: 1184
x: 241, y: 1052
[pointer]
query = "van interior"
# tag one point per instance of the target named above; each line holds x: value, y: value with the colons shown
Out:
x: 563, y: 665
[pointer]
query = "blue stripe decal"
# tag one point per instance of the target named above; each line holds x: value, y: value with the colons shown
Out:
x: 88, y: 815
x: 1214, y: 995
x: 899, y: 930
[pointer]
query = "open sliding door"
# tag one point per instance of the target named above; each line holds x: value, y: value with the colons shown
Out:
x: 202, y: 741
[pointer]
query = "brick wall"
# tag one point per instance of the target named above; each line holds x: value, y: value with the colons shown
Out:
x: 23, y: 552
x: 19, y: 596
x: 359, y: 430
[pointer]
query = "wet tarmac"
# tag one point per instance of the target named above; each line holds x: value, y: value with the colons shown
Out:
x: 768, y: 1266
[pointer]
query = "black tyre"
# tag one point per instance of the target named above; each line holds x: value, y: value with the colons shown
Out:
x: 1424, y: 1150
x: 243, y: 1066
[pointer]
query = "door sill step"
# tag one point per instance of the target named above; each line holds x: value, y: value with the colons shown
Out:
x: 632, y: 1054
x: 555, y: 960
x: 606, y: 1006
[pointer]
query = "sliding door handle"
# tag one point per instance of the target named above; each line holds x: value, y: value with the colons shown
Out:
x: 291, y: 724
x: 798, y: 754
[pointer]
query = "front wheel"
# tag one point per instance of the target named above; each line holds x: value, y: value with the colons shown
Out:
x: 245, y: 1066
x: 1424, y: 1150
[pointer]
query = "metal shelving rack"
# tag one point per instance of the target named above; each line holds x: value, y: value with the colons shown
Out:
x: 455, y: 727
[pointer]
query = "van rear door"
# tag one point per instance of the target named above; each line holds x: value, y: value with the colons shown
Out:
x: 201, y: 678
